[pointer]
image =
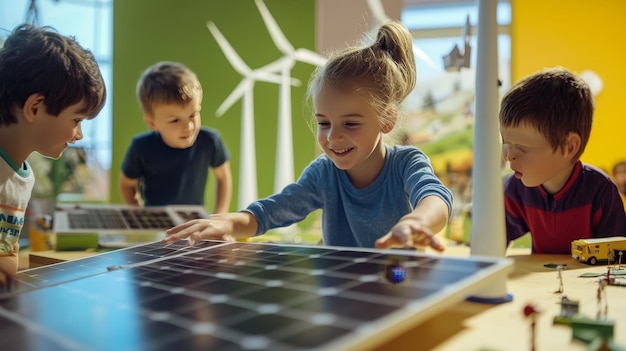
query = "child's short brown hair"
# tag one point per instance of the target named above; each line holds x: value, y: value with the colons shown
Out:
x: 167, y: 83
x: 554, y: 101
x: 41, y: 61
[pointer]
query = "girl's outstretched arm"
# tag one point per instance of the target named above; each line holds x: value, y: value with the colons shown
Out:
x: 419, y: 227
x: 225, y: 226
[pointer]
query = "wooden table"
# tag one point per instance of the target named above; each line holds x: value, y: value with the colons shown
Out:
x: 474, y: 326
x: 44, y: 258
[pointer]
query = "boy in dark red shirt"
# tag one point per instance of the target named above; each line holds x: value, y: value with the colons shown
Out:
x: 545, y: 123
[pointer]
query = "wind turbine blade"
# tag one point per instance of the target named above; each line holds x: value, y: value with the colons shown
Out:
x: 266, y: 73
x: 422, y: 55
x: 378, y: 11
x: 310, y: 57
x: 276, y: 66
x: 593, y: 80
x: 234, y: 95
x: 276, y: 33
x: 259, y: 75
x: 230, y: 53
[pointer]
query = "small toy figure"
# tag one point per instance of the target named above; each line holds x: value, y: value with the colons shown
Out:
x: 530, y: 312
x: 569, y: 308
x: 569, y: 311
x: 559, y: 268
x: 603, y: 306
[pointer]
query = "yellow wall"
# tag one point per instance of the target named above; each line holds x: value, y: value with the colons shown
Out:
x: 579, y: 35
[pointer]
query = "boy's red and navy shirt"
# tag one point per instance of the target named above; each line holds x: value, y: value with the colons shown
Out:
x: 588, y: 206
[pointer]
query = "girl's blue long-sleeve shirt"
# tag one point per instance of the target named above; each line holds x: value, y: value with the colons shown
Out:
x: 350, y: 216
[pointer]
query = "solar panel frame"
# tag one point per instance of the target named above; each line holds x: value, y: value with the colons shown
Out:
x: 325, y: 298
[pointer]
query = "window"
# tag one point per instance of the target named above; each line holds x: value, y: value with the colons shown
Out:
x: 90, y: 22
x: 438, y: 28
x: 441, y: 108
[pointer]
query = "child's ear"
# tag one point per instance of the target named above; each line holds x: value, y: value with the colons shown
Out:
x: 149, y: 120
x: 34, y: 104
x: 390, y: 122
x: 573, y: 143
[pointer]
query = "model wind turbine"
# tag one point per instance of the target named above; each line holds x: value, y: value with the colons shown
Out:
x: 245, y: 91
x: 283, y: 174
x: 380, y: 17
x: 488, y: 237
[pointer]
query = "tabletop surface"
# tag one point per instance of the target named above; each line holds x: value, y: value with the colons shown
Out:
x: 466, y: 325
x: 472, y: 326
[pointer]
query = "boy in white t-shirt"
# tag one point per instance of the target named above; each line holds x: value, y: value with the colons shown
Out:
x: 49, y: 84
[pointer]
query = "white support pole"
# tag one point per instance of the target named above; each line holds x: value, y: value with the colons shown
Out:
x: 488, y: 236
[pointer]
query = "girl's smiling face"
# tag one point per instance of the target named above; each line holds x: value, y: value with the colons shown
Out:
x: 349, y: 133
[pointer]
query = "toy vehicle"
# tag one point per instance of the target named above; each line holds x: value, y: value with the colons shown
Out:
x: 596, y: 250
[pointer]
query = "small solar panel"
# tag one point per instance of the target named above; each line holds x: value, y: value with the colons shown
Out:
x: 235, y: 296
x: 122, y: 225
x: 81, y: 218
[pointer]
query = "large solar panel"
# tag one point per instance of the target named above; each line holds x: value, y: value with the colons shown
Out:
x: 235, y: 296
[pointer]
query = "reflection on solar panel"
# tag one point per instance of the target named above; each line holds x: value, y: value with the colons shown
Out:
x: 234, y: 296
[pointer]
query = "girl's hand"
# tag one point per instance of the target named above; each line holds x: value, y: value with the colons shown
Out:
x: 222, y: 226
x: 199, y: 229
x: 408, y: 233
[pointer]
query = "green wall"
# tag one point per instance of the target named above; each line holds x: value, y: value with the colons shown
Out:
x: 147, y: 31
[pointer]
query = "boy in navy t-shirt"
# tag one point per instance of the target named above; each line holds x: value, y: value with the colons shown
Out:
x: 169, y: 165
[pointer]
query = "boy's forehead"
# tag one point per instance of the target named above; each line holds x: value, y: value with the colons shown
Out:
x: 522, y: 134
x: 194, y: 101
x: 173, y: 108
x: 174, y: 99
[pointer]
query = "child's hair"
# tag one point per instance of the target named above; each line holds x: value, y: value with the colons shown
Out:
x: 41, y: 61
x: 617, y: 166
x: 555, y: 102
x: 384, y: 69
x: 167, y: 83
